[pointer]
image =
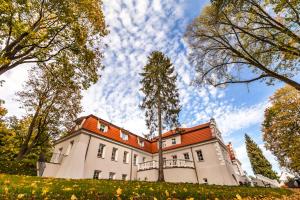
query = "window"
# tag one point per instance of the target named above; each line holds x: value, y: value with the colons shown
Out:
x: 123, y: 135
x: 144, y: 159
x: 125, y: 158
x: 102, y: 127
x: 114, y: 154
x: 135, y: 159
x: 164, y: 144
x: 173, y: 140
x: 174, y: 157
x: 60, y: 150
x: 141, y: 142
x: 124, y: 177
x: 69, y: 148
x: 100, y: 153
x: 111, y: 175
x: 205, y: 180
x: 96, y: 174
x: 186, y: 156
x: 199, y: 155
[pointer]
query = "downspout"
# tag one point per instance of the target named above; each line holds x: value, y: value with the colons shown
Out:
x: 195, y: 165
x: 87, y: 148
x: 131, y: 165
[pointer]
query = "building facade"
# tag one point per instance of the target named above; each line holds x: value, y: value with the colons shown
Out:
x: 98, y: 149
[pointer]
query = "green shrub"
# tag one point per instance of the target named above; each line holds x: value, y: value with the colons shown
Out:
x: 17, y: 167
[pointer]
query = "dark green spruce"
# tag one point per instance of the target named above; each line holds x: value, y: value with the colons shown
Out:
x: 260, y: 165
x: 161, y: 100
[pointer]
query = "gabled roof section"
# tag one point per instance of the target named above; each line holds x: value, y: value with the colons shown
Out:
x: 189, y: 136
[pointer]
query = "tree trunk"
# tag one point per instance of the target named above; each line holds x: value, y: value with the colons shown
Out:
x: 24, y: 147
x: 160, y: 151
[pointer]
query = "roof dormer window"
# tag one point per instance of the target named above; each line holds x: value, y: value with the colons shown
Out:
x: 173, y: 140
x: 123, y: 135
x: 103, y: 128
x: 141, y: 142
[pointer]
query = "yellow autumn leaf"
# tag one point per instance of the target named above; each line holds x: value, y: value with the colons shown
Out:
x: 67, y: 189
x: 73, y: 197
x: 154, y: 198
x: 20, y: 196
x: 6, y: 190
x: 184, y: 189
x: 119, y: 191
x: 33, y: 184
x: 192, y: 198
x: 167, y: 193
x: 44, y: 191
x: 238, y: 197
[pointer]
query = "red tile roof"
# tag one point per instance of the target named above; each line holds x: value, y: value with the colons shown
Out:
x: 189, y: 136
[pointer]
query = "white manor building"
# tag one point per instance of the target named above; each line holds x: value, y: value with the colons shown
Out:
x: 98, y: 149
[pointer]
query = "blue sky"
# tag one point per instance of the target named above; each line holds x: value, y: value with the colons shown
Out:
x: 137, y: 28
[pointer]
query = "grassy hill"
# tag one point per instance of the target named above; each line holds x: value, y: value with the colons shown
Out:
x: 29, y: 187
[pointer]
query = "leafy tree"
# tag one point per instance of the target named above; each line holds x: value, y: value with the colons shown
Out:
x: 51, y: 104
x: 161, y: 100
x: 260, y: 165
x: 43, y: 31
x: 281, y: 127
x: 11, y: 137
x: 241, y: 41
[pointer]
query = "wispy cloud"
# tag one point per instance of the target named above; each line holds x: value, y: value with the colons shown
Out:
x: 138, y: 27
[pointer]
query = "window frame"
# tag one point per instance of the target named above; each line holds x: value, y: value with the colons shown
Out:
x: 188, y: 155
x: 113, y: 175
x: 125, y: 157
x: 102, y: 152
x: 102, y: 127
x: 173, y: 141
x: 95, y: 172
x: 124, y: 175
x: 135, y: 159
x: 202, y: 157
x: 114, y: 154
x: 124, y: 136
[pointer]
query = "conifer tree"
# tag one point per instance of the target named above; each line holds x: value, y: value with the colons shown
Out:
x: 161, y: 101
x: 260, y: 165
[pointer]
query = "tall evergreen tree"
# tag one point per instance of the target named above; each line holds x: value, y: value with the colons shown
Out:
x: 260, y: 165
x: 161, y: 101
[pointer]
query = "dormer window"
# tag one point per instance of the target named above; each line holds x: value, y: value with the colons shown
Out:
x: 103, y: 128
x: 164, y: 144
x: 123, y: 135
x: 173, y: 140
x: 141, y: 142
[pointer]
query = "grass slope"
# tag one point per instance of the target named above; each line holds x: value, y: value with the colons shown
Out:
x: 29, y: 187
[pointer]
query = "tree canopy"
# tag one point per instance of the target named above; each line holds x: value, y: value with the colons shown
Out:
x: 161, y: 100
x: 241, y: 41
x: 44, y: 31
x: 281, y: 128
x: 51, y: 104
x: 260, y: 165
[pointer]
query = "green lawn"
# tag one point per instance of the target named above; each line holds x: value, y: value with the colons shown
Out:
x: 29, y: 187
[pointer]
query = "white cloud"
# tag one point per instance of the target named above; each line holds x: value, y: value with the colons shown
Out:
x: 232, y: 119
x: 138, y: 27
